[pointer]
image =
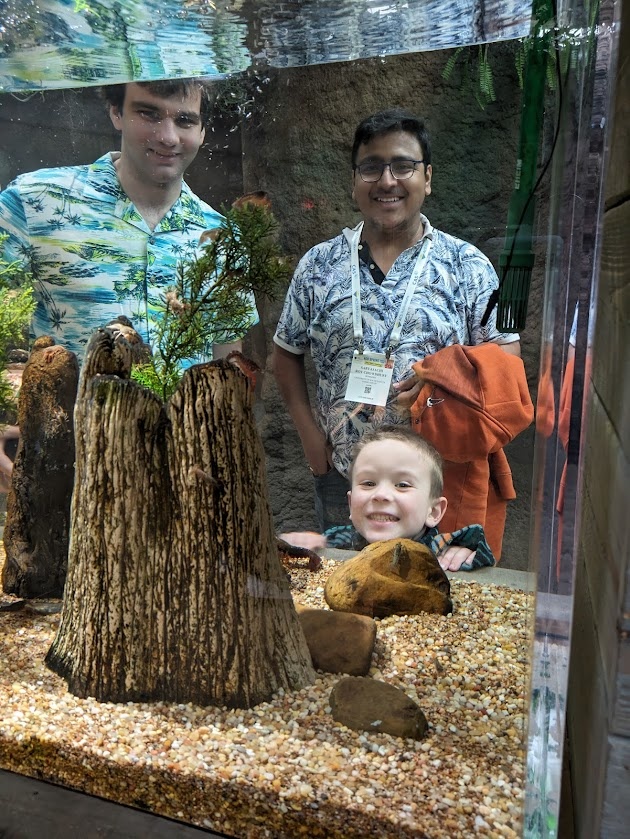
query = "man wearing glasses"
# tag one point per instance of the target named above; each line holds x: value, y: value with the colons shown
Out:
x: 374, y: 300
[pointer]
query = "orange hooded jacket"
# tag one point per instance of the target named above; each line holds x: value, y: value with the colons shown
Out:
x: 474, y: 401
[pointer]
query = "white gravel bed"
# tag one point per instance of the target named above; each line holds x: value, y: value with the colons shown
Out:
x: 285, y: 769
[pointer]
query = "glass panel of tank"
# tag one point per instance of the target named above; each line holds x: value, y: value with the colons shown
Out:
x: 288, y: 86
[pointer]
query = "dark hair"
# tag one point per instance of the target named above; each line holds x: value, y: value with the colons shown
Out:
x: 405, y: 435
x: 384, y: 122
x: 114, y: 94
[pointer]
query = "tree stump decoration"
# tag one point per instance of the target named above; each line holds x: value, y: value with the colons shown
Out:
x: 38, y: 503
x: 175, y: 590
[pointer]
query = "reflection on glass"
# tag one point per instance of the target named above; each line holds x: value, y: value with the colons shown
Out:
x: 312, y: 32
x: 64, y: 44
x: 469, y: 672
x: 61, y: 44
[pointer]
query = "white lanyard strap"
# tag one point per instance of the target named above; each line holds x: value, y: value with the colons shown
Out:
x: 414, y: 282
x: 355, y: 273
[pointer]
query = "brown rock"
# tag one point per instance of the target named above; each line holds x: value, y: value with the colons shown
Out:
x: 338, y: 642
x: 369, y: 705
x: 395, y: 577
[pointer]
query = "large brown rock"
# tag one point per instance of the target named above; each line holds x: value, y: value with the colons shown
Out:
x: 369, y: 705
x: 338, y: 642
x: 394, y: 577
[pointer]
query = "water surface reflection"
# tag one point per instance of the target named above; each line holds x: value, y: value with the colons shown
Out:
x: 62, y: 44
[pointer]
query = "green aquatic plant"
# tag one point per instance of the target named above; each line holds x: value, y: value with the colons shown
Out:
x: 16, y: 308
x: 211, y: 297
x: 558, y: 43
x: 478, y: 72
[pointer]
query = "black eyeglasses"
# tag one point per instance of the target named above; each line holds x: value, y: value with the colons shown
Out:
x: 401, y: 170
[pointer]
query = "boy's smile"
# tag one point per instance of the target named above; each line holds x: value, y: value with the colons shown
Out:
x: 391, y: 492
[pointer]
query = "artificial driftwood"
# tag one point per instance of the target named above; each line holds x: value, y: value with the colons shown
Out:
x: 38, y: 504
x: 175, y: 590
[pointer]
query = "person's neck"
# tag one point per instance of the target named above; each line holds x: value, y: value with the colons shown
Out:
x: 152, y: 201
x: 387, y: 245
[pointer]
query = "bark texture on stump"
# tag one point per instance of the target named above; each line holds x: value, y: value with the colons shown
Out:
x: 175, y: 590
x: 38, y: 504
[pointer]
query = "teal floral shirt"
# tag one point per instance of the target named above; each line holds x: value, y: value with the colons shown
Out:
x: 91, y: 255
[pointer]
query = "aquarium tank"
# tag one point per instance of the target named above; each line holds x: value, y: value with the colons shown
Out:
x: 198, y: 675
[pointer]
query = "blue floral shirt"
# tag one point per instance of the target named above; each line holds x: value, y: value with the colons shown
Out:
x: 446, y: 308
x: 91, y: 255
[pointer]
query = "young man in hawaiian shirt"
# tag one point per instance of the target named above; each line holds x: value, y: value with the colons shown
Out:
x: 103, y: 240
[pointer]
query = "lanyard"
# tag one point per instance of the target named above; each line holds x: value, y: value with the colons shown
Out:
x: 414, y: 282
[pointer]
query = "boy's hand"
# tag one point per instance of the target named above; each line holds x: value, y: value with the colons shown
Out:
x: 454, y: 557
x: 305, y: 539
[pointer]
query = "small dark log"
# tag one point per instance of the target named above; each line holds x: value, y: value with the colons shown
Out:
x: 38, y: 504
x: 290, y: 553
x: 175, y: 591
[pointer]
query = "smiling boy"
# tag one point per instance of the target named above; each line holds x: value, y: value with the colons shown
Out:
x: 396, y: 481
x: 396, y: 493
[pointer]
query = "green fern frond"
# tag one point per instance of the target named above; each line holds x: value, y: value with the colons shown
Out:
x: 450, y: 64
x: 486, y: 88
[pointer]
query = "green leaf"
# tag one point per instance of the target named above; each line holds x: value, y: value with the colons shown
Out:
x: 450, y: 64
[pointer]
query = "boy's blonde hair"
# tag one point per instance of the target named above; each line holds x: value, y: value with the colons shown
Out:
x: 405, y: 435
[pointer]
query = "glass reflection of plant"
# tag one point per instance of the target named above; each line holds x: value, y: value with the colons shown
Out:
x: 211, y: 296
x: 16, y: 308
x: 542, y: 61
x: 477, y: 71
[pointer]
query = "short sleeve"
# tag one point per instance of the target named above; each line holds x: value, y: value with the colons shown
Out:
x: 292, y: 330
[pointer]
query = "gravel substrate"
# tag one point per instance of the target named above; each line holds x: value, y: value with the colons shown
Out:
x: 285, y: 769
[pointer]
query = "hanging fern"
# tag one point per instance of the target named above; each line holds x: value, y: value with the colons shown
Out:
x: 486, y: 83
x: 558, y: 44
x: 447, y: 72
x: 484, y: 86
